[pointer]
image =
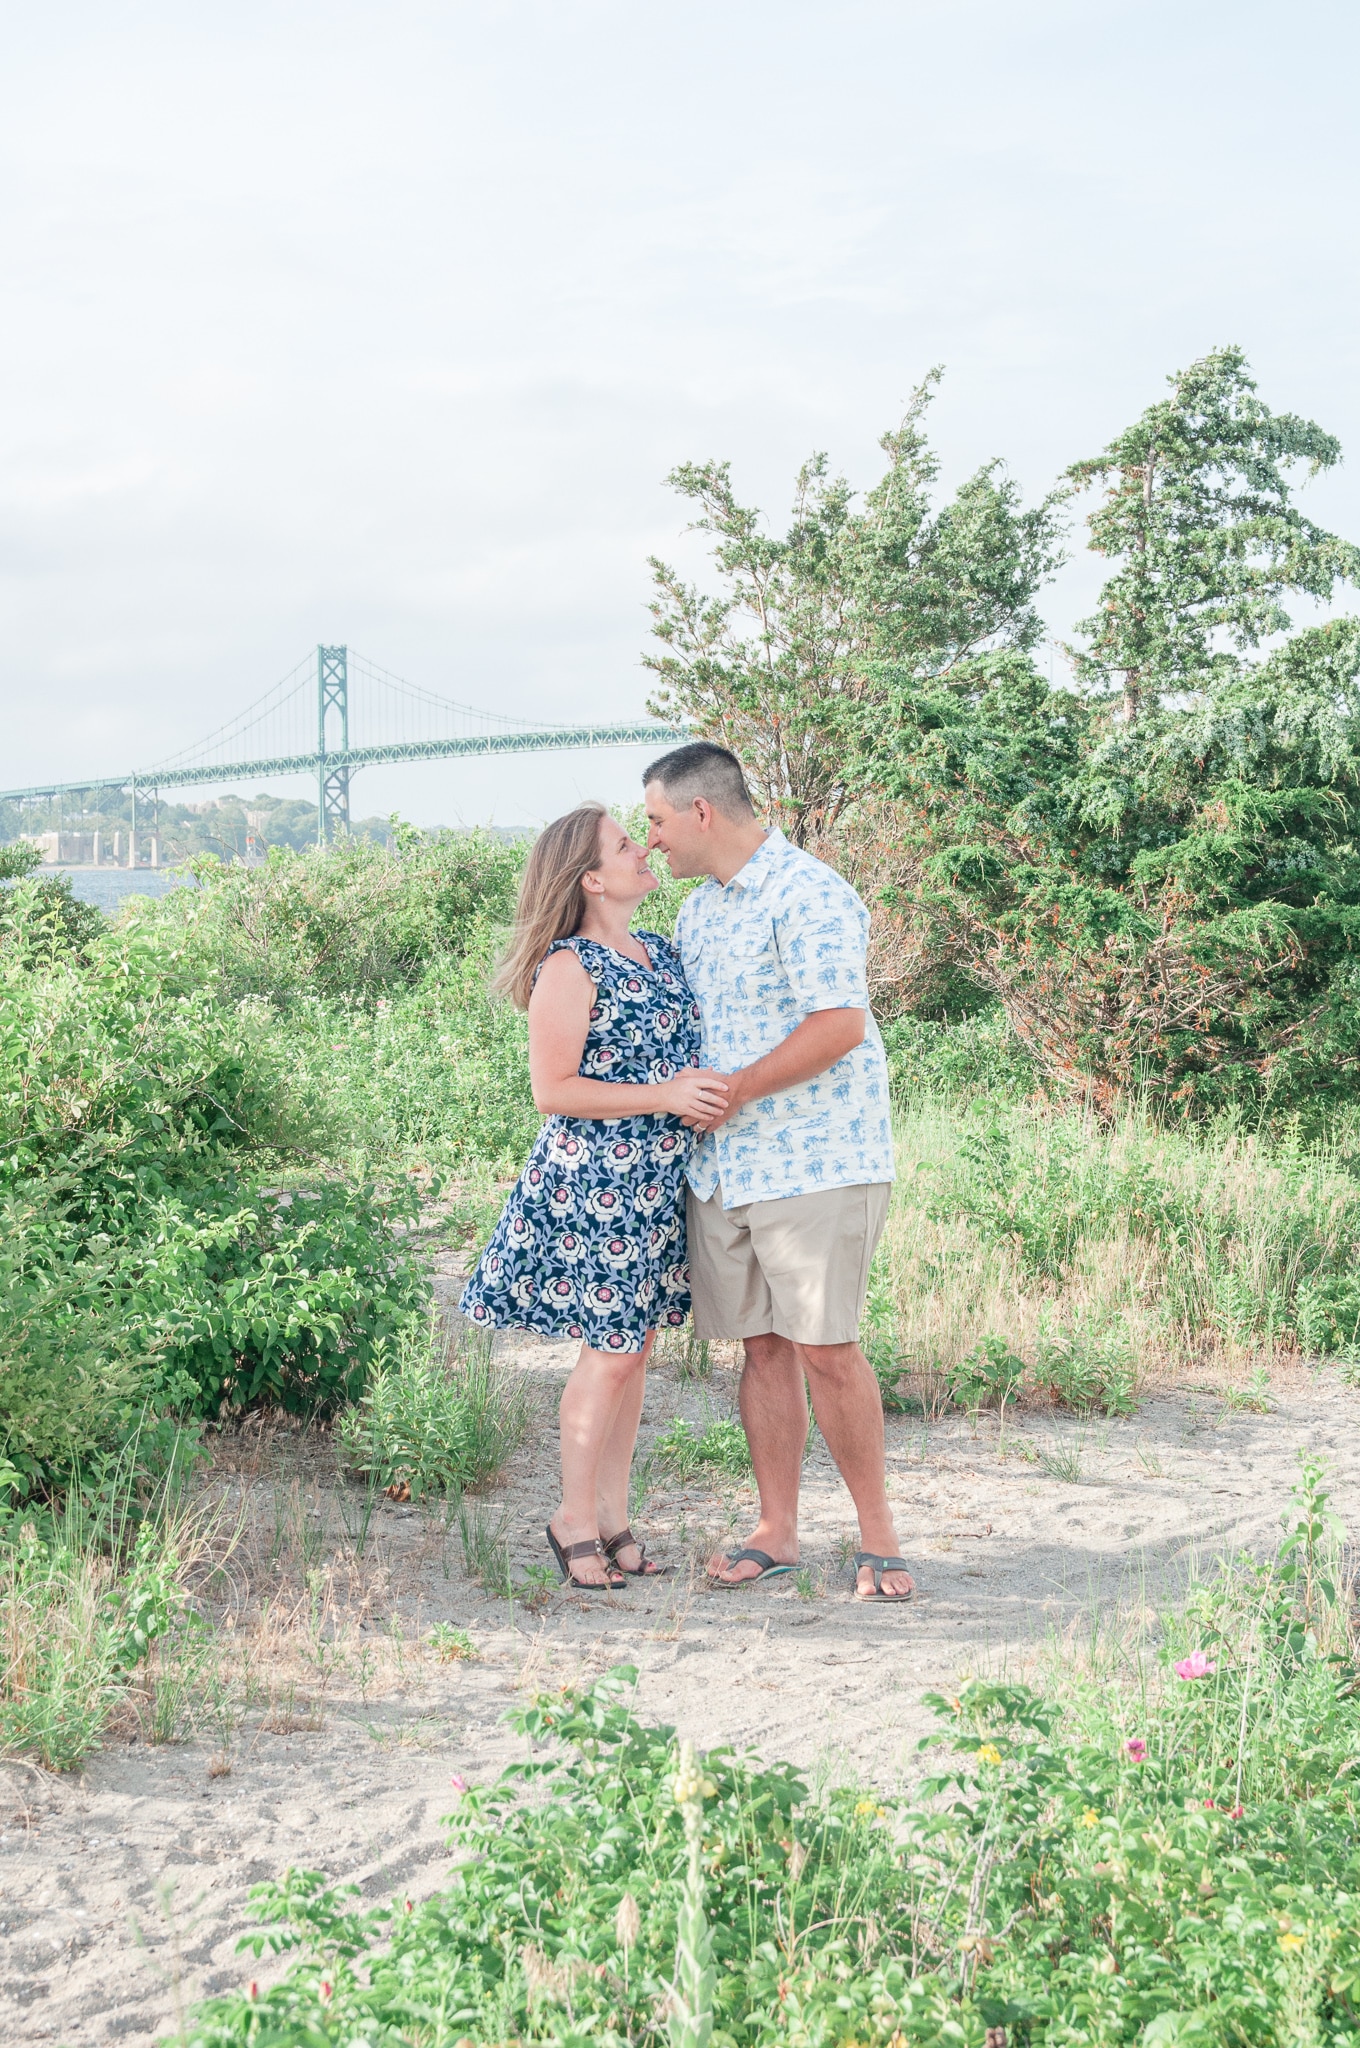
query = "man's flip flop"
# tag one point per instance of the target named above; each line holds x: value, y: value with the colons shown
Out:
x: 879, y: 1565
x: 592, y: 1548
x: 611, y: 1547
x: 770, y: 1568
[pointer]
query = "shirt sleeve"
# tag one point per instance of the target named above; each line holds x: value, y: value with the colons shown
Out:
x: 822, y: 931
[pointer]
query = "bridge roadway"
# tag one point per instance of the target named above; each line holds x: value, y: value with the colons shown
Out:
x: 551, y: 739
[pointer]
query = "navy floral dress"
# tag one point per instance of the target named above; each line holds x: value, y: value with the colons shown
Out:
x: 591, y: 1243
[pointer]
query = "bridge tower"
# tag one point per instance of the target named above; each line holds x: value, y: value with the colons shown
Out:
x: 332, y: 736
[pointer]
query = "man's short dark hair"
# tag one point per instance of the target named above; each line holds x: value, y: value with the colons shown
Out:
x: 701, y: 769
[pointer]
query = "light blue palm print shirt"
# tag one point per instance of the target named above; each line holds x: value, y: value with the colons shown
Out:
x: 786, y: 936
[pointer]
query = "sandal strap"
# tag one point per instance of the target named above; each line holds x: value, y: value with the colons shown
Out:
x: 591, y: 1548
x: 880, y: 1564
x: 620, y: 1542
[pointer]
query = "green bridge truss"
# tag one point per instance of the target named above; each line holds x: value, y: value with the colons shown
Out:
x: 552, y: 739
x: 335, y: 760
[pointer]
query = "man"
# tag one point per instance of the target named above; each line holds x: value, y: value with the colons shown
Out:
x: 788, y: 1189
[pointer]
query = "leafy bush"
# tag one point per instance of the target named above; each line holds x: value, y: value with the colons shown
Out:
x: 285, y: 1296
x: 1163, y: 1852
x: 439, y: 1417
x: 990, y: 1372
x: 148, y: 1253
x: 437, y: 1073
x: 350, y: 919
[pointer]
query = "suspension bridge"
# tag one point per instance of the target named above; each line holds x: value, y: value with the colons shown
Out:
x: 311, y: 723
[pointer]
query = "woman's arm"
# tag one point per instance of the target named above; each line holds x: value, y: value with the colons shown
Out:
x: 559, y: 1020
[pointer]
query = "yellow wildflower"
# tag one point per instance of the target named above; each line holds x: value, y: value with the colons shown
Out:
x: 1089, y: 1819
x: 989, y: 1754
x: 863, y: 1808
x: 1292, y: 1942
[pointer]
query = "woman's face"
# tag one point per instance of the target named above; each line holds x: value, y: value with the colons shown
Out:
x: 622, y: 874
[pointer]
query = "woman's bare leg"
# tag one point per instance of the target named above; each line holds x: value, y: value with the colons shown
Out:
x: 616, y: 1462
x: 590, y: 1402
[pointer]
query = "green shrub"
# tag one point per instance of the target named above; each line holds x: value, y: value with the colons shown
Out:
x: 120, y: 1076
x: 437, y: 1073
x: 348, y: 920
x: 439, y: 1417
x: 1084, y: 1359
x: 285, y: 1296
x: 990, y: 1372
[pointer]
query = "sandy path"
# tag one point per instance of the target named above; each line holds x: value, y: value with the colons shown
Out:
x: 1006, y: 1553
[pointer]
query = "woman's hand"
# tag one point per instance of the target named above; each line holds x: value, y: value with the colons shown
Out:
x: 697, y: 1096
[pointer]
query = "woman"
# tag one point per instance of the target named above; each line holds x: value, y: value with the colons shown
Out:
x: 591, y: 1243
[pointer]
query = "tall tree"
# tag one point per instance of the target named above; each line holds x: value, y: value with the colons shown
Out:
x: 781, y: 664
x: 1198, y: 511
x: 1158, y: 872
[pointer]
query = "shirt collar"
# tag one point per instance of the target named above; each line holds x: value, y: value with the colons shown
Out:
x: 771, y: 849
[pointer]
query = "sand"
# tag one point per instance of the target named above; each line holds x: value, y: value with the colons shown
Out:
x: 123, y: 1890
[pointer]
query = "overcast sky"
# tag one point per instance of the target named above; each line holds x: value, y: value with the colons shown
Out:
x: 384, y: 323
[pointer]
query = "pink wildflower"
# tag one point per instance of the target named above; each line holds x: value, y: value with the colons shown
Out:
x: 1209, y: 1806
x: 1136, y: 1748
x: 1236, y: 1812
x: 254, y: 1991
x: 325, y: 1992
x: 1196, y: 1665
x: 458, y: 1782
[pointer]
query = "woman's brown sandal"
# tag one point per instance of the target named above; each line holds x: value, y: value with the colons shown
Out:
x: 591, y: 1547
x: 645, y: 1570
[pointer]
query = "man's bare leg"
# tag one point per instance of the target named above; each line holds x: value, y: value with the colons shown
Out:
x: 774, y: 1416
x: 849, y: 1411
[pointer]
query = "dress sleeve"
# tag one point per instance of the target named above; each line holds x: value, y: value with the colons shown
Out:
x: 570, y: 946
x: 822, y: 931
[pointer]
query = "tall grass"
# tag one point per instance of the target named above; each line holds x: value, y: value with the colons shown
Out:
x: 1106, y: 1255
x: 96, y: 1603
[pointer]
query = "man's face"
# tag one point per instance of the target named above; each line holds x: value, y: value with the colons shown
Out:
x: 680, y: 834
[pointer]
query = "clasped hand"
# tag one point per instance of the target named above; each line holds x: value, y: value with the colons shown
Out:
x: 700, y: 1098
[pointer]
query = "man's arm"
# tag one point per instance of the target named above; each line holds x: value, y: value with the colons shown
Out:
x: 810, y: 1048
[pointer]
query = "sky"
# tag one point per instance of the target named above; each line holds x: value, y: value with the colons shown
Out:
x: 384, y: 324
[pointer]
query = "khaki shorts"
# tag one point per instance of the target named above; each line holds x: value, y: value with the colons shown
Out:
x: 798, y: 1267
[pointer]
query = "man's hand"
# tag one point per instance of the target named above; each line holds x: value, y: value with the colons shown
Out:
x: 810, y: 1049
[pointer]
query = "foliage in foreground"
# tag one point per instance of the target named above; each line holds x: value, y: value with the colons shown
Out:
x: 1163, y: 1852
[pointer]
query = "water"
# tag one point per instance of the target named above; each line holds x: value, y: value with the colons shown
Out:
x: 109, y: 888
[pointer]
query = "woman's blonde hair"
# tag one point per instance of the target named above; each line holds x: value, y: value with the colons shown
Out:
x: 552, y: 901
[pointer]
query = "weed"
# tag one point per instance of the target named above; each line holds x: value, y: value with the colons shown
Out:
x: 1084, y: 1358
x: 990, y: 1372
x: 640, y: 1483
x: 452, y: 1645
x: 1064, y: 1458
x: 1253, y: 1398
x: 720, y: 1446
